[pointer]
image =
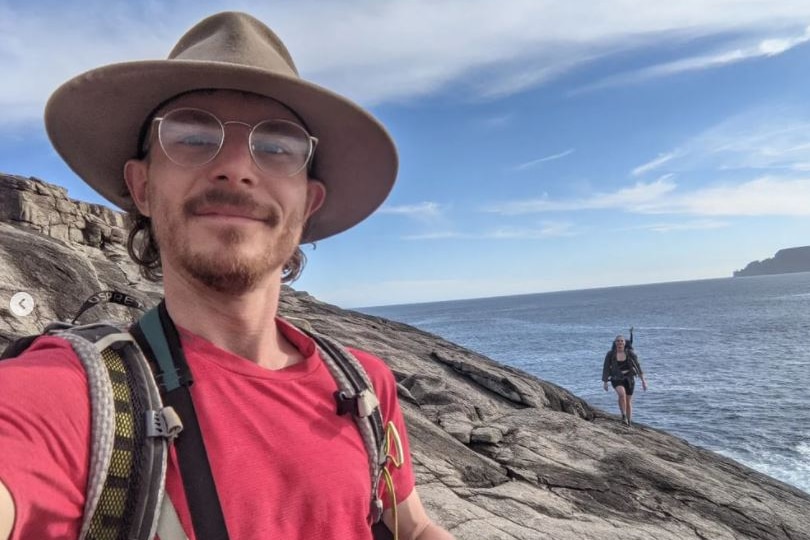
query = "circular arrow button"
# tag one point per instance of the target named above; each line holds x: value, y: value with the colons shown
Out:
x: 22, y: 304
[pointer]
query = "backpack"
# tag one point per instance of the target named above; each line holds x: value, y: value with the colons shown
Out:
x: 140, y: 403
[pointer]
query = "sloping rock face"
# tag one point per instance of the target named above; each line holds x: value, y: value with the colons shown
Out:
x: 499, y: 454
x: 60, y: 251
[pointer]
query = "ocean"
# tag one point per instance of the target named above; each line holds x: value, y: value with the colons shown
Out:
x: 727, y: 360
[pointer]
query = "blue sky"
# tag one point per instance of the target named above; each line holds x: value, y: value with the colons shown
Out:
x: 544, y: 145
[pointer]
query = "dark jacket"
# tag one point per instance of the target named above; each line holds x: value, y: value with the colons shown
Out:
x: 612, y: 368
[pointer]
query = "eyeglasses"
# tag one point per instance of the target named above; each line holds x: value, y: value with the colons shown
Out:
x: 193, y: 137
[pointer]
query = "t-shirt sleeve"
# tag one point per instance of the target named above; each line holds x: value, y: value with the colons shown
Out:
x: 44, y: 439
x: 385, y: 387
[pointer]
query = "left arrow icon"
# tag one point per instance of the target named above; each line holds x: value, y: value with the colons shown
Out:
x: 22, y: 304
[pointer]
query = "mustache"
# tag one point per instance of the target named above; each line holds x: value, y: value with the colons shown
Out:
x: 238, y: 200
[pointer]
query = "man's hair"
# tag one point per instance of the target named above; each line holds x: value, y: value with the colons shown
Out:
x: 143, y: 248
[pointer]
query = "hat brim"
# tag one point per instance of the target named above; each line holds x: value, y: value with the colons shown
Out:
x: 95, y: 119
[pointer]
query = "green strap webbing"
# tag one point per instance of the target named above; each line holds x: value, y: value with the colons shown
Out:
x: 153, y: 332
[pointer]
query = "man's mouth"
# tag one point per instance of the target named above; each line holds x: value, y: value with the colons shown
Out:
x: 229, y: 211
x: 230, y: 206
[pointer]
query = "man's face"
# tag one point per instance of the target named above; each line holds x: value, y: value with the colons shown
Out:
x: 227, y: 224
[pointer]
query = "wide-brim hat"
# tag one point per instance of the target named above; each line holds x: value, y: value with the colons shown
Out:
x: 95, y: 119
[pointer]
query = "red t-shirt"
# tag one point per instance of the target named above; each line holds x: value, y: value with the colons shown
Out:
x: 285, y: 465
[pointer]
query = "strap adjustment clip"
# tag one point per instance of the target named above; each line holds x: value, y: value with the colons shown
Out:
x: 360, y: 405
x: 163, y: 423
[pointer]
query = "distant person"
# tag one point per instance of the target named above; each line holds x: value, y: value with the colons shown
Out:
x: 621, y: 368
x: 228, y: 160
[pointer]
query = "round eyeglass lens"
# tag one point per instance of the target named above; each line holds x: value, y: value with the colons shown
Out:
x: 280, y: 147
x: 190, y: 137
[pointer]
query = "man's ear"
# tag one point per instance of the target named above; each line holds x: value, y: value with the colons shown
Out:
x: 316, y: 195
x: 137, y: 178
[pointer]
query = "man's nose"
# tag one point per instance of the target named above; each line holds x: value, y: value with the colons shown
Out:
x: 234, y: 160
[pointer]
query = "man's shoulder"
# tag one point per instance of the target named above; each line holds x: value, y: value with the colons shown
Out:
x: 378, y: 371
x: 44, y: 351
x: 49, y: 365
x: 371, y: 362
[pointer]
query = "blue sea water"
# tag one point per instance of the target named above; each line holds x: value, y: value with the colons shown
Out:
x: 728, y: 360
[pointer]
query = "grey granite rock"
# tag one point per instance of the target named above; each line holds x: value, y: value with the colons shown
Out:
x: 498, y: 454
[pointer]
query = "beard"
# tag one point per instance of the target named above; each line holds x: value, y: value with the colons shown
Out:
x: 221, y: 264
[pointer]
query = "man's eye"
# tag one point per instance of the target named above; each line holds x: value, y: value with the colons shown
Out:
x: 198, y: 140
x: 273, y: 148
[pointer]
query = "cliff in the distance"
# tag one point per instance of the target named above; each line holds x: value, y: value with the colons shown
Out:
x: 786, y: 261
x: 499, y: 454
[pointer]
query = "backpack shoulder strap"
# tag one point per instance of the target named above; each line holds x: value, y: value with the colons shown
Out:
x: 130, y: 431
x: 160, y: 340
x: 356, y: 396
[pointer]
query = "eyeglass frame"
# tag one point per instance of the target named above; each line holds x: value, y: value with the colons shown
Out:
x: 311, y: 139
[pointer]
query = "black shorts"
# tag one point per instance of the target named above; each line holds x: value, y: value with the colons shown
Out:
x: 628, y: 382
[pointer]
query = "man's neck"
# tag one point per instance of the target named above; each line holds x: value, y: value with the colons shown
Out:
x: 241, y: 324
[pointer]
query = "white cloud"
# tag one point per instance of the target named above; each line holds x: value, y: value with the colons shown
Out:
x: 438, y: 235
x: 760, y: 197
x: 762, y: 47
x: 382, y: 51
x: 535, y: 162
x: 640, y: 193
x: 652, y: 164
x: 769, y: 140
x: 424, y: 211
x: 694, y: 225
x: 497, y: 122
x: 546, y: 229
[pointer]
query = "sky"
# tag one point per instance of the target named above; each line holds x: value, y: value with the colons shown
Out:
x: 544, y: 145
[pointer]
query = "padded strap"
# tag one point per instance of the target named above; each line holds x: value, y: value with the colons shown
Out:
x: 127, y: 469
x: 159, y: 338
x: 356, y: 388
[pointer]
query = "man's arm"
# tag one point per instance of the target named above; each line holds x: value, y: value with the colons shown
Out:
x: 6, y: 513
x: 414, y: 523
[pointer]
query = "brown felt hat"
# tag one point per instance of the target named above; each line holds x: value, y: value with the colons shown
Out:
x: 94, y: 120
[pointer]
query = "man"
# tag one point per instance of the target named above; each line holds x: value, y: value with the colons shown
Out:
x: 229, y: 160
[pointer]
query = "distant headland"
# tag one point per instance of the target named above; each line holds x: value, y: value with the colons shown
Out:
x: 786, y: 261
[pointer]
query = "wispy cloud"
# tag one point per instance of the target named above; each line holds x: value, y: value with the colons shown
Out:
x: 693, y: 225
x: 437, y: 235
x: 535, y: 162
x: 386, y: 51
x: 766, y: 140
x: 761, y: 47
x: 760, y: 197
x: 497, y: 122
x: 653, y: 164
x: 760, y: 139
x: 424, y: 211
x: 641, y: 193
x: 764, y: 196
x: 546, y: 229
